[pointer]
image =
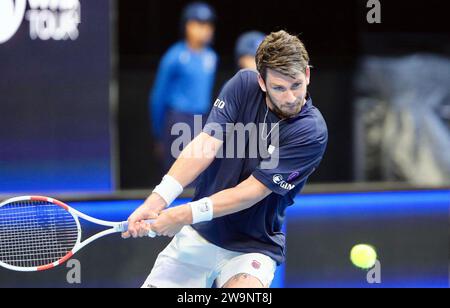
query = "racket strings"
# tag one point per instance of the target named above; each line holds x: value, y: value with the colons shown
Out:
x: 35, y: 233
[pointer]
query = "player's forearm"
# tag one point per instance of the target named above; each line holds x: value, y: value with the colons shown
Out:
x: 187, y: 169
x: 155, y: 203
x: 194, y: 159
x: 234, y: 200
x: 223, y: 203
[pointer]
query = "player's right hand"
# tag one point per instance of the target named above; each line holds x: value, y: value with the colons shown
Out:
x: 137, y: 227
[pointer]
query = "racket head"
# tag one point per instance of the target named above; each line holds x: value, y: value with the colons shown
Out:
x: 36, y: 233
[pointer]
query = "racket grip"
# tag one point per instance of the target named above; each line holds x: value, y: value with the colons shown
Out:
x: 123, y: 227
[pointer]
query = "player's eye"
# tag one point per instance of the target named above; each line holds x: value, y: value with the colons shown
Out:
x: 296, y: 86
x: 279, y: 89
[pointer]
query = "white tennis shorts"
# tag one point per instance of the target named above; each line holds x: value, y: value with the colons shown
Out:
x: 190, y: 261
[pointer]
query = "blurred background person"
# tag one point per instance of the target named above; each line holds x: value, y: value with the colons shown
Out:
x: 185, y: 79
x: 245, y: 50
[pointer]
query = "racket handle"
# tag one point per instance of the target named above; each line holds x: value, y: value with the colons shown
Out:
x: 123, y: 227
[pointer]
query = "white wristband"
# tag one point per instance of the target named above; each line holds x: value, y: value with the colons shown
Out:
x: 202, y: 210
x: 169, y: 189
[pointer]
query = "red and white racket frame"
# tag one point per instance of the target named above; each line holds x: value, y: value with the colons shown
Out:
x: 115, y: 227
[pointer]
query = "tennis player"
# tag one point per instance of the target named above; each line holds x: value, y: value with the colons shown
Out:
x: 230, y: 233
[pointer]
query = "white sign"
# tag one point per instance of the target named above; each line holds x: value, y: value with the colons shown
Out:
x: 11, y: 17
x: 48, y: 19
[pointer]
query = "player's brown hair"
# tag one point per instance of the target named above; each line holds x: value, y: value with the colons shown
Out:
x: 283, y: 53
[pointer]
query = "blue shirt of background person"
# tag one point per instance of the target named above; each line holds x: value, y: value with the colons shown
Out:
x: 186, y: 73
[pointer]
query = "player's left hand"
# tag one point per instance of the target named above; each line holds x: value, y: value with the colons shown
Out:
x: 171, y: 221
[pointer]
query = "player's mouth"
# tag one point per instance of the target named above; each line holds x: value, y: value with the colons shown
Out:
x: 292, y: 106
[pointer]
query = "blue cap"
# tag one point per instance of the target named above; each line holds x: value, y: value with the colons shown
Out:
x: 198, y: 11
x: 248, y: 43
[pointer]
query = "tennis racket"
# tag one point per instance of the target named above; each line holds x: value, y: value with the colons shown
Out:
x: 40, y: 233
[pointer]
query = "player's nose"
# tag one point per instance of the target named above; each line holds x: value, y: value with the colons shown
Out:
x: 291, y: 98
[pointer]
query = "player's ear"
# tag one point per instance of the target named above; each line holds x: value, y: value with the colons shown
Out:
x: 262, y: 84
x: 308, y: 75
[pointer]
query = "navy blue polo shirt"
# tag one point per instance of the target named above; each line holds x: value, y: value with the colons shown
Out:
x: 299, y: 145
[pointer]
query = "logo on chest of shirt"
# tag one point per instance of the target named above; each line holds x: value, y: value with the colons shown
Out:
x: 279, y: 180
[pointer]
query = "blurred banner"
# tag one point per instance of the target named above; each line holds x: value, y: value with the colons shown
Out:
x: 402, y: 119
x: 54, y: 103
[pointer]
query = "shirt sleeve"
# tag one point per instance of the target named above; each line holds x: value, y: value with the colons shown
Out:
x: 290, y: 165
x: 225, y: 111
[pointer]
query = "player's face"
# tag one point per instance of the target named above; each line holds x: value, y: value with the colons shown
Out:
x: 199, y: 33
x: 285, y: 95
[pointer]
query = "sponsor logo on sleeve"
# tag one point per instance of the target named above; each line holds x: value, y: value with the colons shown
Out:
x: 278, y: 179
x: 293, y: 176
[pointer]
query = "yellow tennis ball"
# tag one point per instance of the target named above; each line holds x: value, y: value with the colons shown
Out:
x: 363, y: 256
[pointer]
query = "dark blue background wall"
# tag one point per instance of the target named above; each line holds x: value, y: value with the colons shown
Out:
x: 54, y: 108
